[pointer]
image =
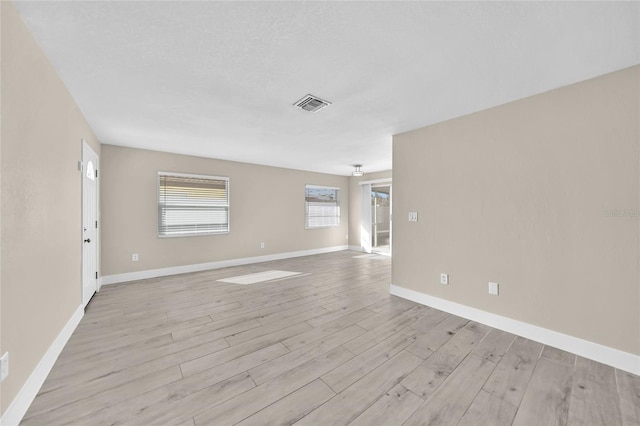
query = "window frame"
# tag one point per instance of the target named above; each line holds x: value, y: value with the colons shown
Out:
x: 194, y: 176
x: 338, y: 196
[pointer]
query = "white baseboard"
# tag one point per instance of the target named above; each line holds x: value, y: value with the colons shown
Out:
x: 595, y: 351
x: 153, y: 273
x: 355, y: 248
x: 18, y: 408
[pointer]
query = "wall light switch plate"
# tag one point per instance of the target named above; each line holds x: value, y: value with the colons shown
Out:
x: 444, y: 279
x: 4, y: 366
x: 493, y: 289
x: 413, y: 216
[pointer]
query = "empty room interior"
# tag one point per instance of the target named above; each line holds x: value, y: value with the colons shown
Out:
x: 319, y: 213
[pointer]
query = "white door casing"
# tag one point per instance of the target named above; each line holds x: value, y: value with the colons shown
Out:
x: 365, y: 213
x: 89, y: 223
x: 365, y: 218
x: 390, y: 219
x: 381, y: 217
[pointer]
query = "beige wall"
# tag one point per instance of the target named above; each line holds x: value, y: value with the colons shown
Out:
x: 41, y: 137
x: 518, y: 194
x: 355, y: 202
x: 267, y: 205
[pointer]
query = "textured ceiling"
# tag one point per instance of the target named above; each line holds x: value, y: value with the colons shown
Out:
x: 218, y: 79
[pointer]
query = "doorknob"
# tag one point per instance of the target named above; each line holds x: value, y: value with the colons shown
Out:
x: 88, y: 240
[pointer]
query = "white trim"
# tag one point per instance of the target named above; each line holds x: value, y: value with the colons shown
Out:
x: 153, y: 273
x: 595, y: 351
x: 311, y: 186
x: 18, y: 408
x: 367, y: 182
x: 190, y: 175
x: 355, y: 248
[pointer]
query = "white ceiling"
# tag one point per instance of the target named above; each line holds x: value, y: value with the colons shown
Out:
x: 218, y: 79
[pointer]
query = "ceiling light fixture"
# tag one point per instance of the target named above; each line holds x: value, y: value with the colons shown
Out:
x: 358, y: 170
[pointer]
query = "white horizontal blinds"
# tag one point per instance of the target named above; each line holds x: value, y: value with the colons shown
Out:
x: 322, y: 207
x: 192, y: 205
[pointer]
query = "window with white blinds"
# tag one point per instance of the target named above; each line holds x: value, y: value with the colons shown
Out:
x: 192, y: 205
x: 322, y: 207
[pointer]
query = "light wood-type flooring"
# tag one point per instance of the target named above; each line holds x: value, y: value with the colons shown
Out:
x: 327, y: 347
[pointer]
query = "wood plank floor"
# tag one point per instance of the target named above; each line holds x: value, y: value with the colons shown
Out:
x: 326, y: 347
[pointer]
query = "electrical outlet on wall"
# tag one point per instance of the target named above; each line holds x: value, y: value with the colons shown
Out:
x: 493, y: 289
x: 134, y: 257
x: 261, y: 245
x: 413, y: 216
x: 444, y: 279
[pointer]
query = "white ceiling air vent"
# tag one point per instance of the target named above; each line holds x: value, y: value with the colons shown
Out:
x: 312, y: 103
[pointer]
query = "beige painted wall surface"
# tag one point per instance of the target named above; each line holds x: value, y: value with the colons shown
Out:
x: 518, y: 194
x: 41, y: 253
x: 355, y: 202
x: 267, y: 205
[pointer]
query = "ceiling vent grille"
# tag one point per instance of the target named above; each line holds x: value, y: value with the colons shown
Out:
x: 312, y: 103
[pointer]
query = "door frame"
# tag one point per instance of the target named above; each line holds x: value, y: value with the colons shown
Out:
x: 390, y: 186
x: 365, y: 213
x: 86, y: 146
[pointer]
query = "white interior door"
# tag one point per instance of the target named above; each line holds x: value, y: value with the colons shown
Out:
x: 89, y: 223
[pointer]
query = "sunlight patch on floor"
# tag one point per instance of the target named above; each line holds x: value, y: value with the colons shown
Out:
x: 258, y: 277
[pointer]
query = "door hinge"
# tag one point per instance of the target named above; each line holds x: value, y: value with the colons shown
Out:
x: 96, y: 224
x: 96, y: 172
x: 96, y: 275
